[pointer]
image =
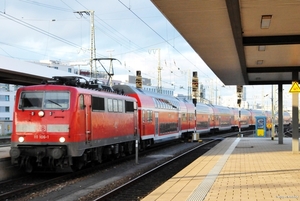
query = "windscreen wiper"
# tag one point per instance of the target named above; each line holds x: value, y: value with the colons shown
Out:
x: 54, y: 102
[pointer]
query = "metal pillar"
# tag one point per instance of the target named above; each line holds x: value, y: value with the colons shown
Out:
x: 295, y: 121
x: 273, y: 127
x: 280, y: 115
x: 159, y: 85
x: 92, y: 39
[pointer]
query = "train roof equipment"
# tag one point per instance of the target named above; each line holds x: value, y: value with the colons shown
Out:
x: 78, y: 81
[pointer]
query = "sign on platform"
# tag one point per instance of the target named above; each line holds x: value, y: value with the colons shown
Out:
x: 239, y: 93
x: 295, y: 88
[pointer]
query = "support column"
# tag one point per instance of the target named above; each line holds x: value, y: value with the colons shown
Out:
x: 295, y: 121
x: 280, y: 131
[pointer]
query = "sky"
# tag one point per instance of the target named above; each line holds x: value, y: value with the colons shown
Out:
x: 132, y: 31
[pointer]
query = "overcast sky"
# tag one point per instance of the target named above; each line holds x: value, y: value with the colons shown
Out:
x: 131, y: 31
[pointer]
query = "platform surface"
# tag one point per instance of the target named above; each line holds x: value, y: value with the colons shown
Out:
x: 237, y: 169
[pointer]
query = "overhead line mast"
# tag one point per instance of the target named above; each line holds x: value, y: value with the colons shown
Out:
x: 93, y: 48
x: 159, y: 85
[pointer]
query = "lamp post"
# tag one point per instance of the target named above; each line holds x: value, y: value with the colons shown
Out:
x: 273, y: 127
x: 272, y: 114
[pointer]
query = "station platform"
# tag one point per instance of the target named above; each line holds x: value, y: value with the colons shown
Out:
x: 4, y: 152
x: 237, y: 169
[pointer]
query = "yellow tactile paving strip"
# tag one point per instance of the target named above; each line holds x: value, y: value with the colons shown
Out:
x: 257, y: 169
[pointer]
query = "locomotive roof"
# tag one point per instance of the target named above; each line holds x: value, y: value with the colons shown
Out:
x: 92, y: 91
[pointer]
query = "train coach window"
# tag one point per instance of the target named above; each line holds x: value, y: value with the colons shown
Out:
x: 183, y: 117
x: 150, y: 116
x: 98, y: 104
x: 155, y: 102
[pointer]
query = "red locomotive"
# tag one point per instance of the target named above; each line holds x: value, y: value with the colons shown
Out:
x: 59, y: 125
x: 70, y: 122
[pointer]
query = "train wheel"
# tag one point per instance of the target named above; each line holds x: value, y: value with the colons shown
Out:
x: 77, y: 164
x: 28, y: 165
x: 130, y: 148
x: 99, y: 154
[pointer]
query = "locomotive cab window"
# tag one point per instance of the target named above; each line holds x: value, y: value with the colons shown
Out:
x: 31, y: 100
x: 57, y: 100
x: 44, y: 100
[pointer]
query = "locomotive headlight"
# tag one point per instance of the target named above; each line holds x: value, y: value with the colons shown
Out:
x: 41, y: 113
x: 62, y: 139
x: 21, y: 139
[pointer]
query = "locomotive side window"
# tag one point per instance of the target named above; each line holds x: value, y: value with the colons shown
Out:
x: 56, y: 100
x: 109, y: 105
x: 98, y: 104
x: 31, y: 100
x: 120, y: 105
x: 129, y: 106
x: 81, y: 102
x: 115, y: 102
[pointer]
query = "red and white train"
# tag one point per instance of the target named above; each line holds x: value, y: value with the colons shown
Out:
x: 62, y: 123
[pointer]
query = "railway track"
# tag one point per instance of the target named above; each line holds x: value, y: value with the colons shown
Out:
x: 47, y: 184
x: 140, y: 186
x: 28, y: 184
x: 13, y: 188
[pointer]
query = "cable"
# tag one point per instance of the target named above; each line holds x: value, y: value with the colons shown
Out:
x: 161, y: 37
x: 45, y: 5
x: 39, y: 30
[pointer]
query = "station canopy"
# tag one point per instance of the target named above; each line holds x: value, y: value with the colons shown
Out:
x: 244, y: 42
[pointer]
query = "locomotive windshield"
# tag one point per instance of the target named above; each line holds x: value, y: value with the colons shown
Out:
x: 44, y: 100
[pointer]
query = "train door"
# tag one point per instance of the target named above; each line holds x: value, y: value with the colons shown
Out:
x: 156, y: 125
x: 179, y: 128
x: 136, y: 122
x: 88, y: 119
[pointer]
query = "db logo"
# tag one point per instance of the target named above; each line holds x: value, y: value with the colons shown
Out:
x: 43, y: 128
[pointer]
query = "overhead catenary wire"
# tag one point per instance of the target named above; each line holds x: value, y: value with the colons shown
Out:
x: 114, y: 34
x: 39, y: 30
x: 162, y: 37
